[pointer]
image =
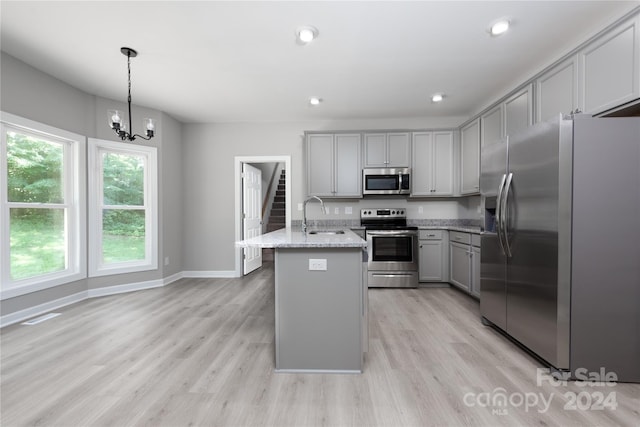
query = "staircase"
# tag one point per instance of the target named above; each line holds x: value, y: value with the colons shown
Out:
x: 277, y: 217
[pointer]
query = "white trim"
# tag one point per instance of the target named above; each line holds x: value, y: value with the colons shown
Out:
x: 173, y: 278
x: 127, y: 287
x: 74, y: 146
x: 37, y: 310
x: 219, y: 274
x: 238, y: 161
x: 96, y: 267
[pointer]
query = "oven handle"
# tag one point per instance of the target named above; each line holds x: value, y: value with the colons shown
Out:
x: 392, y: 233
x: 392, y: 275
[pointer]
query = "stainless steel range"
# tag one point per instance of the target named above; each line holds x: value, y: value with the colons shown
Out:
x: 392, y: 248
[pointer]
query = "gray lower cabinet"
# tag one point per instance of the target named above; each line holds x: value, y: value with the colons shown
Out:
x: 475, y: 270
x: 434, y: 256
x: 464, y: 253
x: 320, y: 314
x: 460, y: 265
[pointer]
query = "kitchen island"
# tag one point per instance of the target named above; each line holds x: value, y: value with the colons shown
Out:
x: 320, y: 299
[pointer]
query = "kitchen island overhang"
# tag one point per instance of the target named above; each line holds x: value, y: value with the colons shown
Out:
x: 320, y: 300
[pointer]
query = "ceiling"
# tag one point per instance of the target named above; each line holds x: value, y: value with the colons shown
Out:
x: 206, y: 61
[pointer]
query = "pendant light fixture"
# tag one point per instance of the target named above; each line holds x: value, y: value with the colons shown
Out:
x: 116, y: 121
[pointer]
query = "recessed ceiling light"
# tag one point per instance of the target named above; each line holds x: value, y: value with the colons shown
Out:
x: 437, y: 97
x: 306, y: 34
x: 499, y: 27
x: 314, y: 100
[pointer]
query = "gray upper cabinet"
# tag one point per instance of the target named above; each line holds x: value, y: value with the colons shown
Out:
x: 334, y: 165
x: 432, y: 168
x: 491, y: 126
x: 557, y: 90
x: 518, y: 111
x: 610, y: 69
x: 508, y: 117
x: 470, y: 158
x: 387, y: 150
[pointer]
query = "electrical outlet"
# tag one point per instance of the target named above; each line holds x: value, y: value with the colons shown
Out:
x: 299, y: 206
x: 166, y: 260
x: 317, y: 264
x: 348, y: 210
x: 420, y: 209
x: 336, y: 211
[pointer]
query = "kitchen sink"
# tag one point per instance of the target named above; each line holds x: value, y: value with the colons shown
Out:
x: 327, y: 232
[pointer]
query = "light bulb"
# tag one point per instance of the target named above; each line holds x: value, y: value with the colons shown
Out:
x: 437, y: 97
x: 150, y: 124
x: 306, y: 34
x: 499, y: 27
x: 114, y: 118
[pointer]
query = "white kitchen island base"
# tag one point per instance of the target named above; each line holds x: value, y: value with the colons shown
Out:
x: 319, y: 314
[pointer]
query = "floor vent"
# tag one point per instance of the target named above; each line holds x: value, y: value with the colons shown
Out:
x: 41, y: 319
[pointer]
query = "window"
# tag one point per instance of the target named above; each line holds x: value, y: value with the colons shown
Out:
x: 123, y: 208
x: 43, y: 218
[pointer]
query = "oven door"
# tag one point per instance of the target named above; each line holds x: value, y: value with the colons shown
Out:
x: 392, y: 250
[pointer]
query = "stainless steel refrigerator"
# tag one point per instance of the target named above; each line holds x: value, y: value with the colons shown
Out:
x: 560, y: 259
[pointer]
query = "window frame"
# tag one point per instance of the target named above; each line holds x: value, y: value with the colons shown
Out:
x: 95, y: 181
x: 74, y: 173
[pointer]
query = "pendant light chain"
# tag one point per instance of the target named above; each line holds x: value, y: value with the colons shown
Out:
x: 129, y: 97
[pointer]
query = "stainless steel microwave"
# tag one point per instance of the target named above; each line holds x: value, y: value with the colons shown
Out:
x: 386, y: 181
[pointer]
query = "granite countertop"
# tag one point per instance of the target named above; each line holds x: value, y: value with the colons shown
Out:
x: 294, y: 238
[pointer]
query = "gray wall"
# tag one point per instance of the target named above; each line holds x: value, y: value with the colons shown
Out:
x: 209, y: 197
x: 196, y: 170
x: 35, y: 95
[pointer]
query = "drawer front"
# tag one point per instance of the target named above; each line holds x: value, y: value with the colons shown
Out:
x: 475, y: 240
x: 457, y: 236
x: 430, y: 235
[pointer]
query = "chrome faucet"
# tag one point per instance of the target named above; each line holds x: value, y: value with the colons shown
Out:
x: 304, y: 211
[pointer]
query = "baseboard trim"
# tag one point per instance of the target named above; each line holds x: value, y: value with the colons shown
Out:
x: 121, y: 289
x: 28, y: 313
x: 173, y: 278
x: 214, y: 274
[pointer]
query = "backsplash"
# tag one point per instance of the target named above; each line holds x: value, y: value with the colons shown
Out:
x: 355, y: 223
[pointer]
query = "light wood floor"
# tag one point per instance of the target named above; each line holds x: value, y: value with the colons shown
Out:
x: 201, y: 352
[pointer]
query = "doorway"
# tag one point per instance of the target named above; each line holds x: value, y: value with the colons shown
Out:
x: 240, y: 205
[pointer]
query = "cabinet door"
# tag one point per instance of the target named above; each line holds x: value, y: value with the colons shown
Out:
x: 422, y: 158
x: 491, y: 127
x: 610, y: 69
x: 320, y: 165
x: 430, y: 260
x: 398, y: 150
x: 518, y: 112
x: 348, y: 174
x: 557, y: 91
x: 470, y: 158
x: 375, y: 150
x: 442, y: 164
x: 475, y: 271
x: 460, y: 262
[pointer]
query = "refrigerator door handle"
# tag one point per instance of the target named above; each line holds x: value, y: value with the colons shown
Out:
x: 505, y: 215
x: 499, y: 213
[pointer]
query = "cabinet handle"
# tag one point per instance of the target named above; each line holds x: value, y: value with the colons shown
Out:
x: 420, y: 246
x: 431, y: 235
